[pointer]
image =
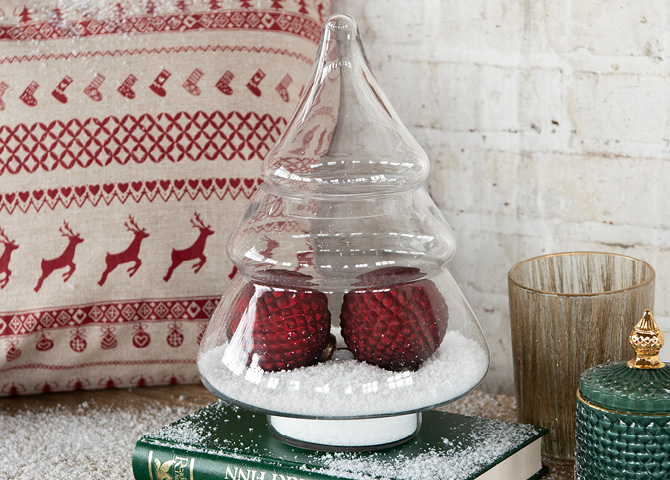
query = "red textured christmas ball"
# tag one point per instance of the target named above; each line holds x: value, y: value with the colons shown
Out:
x: 396, y: 321
x: 281, y: 327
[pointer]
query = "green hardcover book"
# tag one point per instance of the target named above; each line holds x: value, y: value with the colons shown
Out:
x: 225, y: 442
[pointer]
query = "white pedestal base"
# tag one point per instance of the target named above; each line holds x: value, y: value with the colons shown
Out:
x: 345, y: 435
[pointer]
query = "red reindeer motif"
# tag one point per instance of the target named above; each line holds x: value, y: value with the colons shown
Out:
x: 65, y: 258
x: 194, y: 252
x: 130, y: 254
x: 10, y: 246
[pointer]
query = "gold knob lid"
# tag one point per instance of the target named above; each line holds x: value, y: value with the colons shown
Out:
x: 647, y: 341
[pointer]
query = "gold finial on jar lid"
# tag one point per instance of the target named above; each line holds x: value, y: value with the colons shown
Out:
x: 647, y: 340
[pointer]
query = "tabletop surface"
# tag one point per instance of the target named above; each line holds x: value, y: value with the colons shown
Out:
x: 85, y: 434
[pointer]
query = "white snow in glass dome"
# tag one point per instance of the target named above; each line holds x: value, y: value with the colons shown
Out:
x: 338, y: 387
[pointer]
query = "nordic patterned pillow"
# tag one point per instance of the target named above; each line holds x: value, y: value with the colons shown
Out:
x: 131, y: 137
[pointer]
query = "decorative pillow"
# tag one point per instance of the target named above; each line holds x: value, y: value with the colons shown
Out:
x: 131, y: 137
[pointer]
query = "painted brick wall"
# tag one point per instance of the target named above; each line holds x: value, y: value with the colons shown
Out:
x: 547, y: 127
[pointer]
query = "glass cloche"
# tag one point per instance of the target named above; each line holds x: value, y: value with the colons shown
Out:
x: 343, y: 322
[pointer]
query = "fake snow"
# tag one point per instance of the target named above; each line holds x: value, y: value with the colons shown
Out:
x: 343, y: 387
x: 94, y: 442
x: 457, y: 457
x: 88, y: 442
x: 453, y: 462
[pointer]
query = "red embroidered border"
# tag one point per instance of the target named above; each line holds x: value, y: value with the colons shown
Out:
x: 150, y: 310
x: 148, y: 51
x: 44, y: 366
x: 173, y: 137
x: 293, y: 23
x: 168, y: 377
x: 122, y: 192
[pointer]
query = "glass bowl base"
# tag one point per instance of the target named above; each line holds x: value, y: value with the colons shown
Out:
x: 350, y: 435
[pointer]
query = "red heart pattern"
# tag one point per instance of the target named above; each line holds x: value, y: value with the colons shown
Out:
x: 141, y: 339
x: 112, y: 192
x: 44, y: 344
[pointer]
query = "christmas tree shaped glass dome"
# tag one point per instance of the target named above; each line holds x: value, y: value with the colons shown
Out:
x: 343, y: 321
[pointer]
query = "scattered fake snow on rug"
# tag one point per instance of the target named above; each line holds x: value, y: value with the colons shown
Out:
x: 89, y: 442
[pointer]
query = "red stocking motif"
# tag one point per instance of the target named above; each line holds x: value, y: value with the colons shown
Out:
x: 13, y: 352
x: 141, y: 338
x: 59, y: 91
x: 108, y: 340
x: 192, y: 80
x: 77, y: 342
x: 3, y: 88
x: 126, y: 87
x: 43, y: 343
x: 224, y: 83
x: 282, y: 88
x: 175, y: 338
x: 255, y: 80
x: 92, y: 89
x: 28, y: 96
x: 159, y: 81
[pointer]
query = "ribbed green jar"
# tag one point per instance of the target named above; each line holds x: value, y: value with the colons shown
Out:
x: 623, y: 417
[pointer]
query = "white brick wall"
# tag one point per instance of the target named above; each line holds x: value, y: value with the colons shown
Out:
x: 547, y: 127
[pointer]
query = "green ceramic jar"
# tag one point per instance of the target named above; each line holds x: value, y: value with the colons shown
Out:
x: 623, y: 414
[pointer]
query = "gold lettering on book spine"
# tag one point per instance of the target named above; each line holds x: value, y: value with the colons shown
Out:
x: 183, y: 466
x: 237, y: 473
x: 179, y: 468
x: 151, y: 473
x: 162, y: 470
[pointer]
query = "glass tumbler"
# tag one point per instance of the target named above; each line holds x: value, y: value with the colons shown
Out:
x: 569, y: 312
